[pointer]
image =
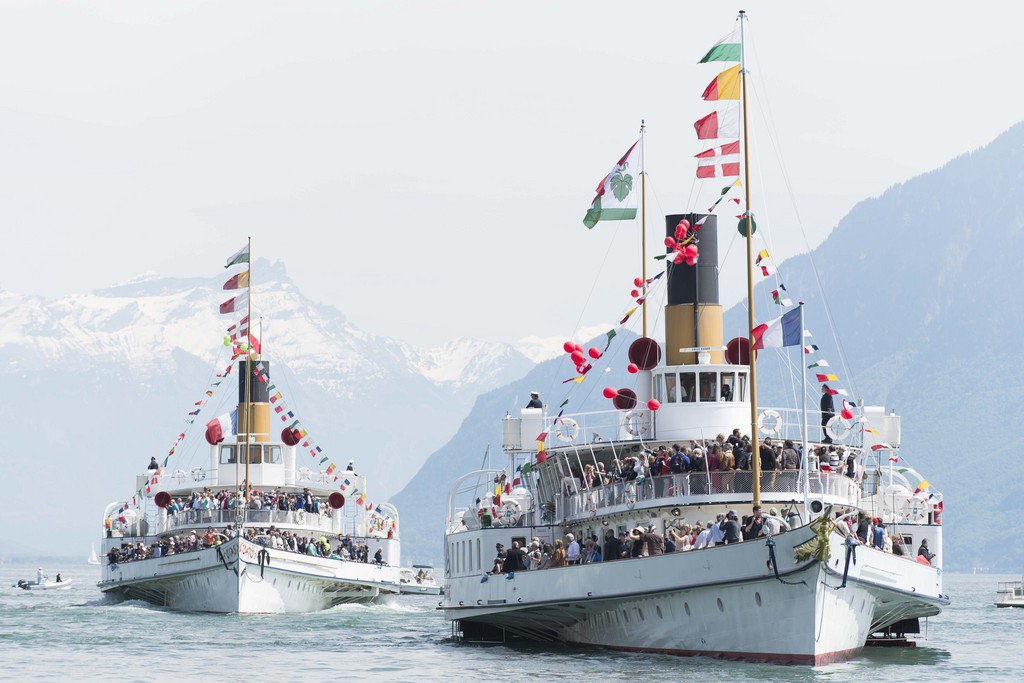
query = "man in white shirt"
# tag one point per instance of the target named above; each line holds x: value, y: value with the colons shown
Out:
x: 572, y: 551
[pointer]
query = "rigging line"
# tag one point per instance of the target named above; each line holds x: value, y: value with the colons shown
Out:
x: 765, y: 110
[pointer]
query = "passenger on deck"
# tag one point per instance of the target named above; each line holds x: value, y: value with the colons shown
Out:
x: 153, y: 464
x: 558, y: 558
x: 828, y: 411
x: 611, y: 545
x: 731, y: 529
x: 535, y: 401
x: 572, y: 552
x: 923, y: 553
x: 753, y: 526
x: 515, y: 559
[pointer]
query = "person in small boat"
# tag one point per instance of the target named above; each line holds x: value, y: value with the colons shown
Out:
x: 59, y: 580
x: 828, y: 411
x: 535, y: 401
x: 40, y: 576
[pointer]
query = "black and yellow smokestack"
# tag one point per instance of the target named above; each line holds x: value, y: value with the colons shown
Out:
x: 259, y: 400
x: 693, y: 315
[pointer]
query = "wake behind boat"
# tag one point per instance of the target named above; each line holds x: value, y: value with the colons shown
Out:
x: 659, y: 526
x: 254, y: 531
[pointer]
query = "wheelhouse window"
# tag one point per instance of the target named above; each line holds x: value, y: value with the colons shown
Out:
x: 671, y: 388
x: 726, y: 382
x: 708, y: 387
x: 227, y: 455
x: 687, y: 387
x: 741, y: 393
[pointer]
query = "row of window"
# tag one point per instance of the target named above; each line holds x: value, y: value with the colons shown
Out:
x: 705, y: 386
x: 259, y: 454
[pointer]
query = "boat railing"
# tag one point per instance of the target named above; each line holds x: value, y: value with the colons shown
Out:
x: 780, y: 486
x: 187, y: 519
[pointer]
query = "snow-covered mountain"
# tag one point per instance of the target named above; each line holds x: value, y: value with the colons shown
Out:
x: 102, y: 381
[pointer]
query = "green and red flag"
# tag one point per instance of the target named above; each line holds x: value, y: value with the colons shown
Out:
x: 616, y: 194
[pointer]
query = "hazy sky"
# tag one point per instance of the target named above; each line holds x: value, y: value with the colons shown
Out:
x: 425, y: 166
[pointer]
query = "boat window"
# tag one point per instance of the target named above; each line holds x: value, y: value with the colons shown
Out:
x: 687, y: 383
x: 707, y: 387
x: 272, y: 454
x: 670, y: 388
x: 227, y: 455
x: 477, y: 554
x: 727, y: 380
x: 741, y: 389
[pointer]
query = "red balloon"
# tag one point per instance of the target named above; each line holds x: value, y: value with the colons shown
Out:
x: 691, y: 261
x: 578, y: 347
x: 633, y: 368
x: 569, y: 347
x: 691, y: 250
x: 685, y: 224
x: 654, y: 404
x: 678, y: 257
x: 670, y: 242
x: 634, y: 293
x: 577, y: 357
x: 609, y: 392
x: 638, y: 282
x: 593, y: 353
x: 680, y: 234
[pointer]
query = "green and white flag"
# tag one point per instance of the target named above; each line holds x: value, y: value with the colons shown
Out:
x: 616, y: 195
x: 723, y: 51
x: 240, y: 256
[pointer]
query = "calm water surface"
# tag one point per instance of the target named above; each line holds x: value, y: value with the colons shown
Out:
x: 78, y: 635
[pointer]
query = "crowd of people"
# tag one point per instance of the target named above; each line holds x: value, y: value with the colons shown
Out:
x: 872, y: 531
x: 724, y: 454
x: 344, y: 549
x: 642, y: 541
x: 207, y: 500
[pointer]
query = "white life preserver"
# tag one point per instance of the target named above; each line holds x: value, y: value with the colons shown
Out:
x: 838, y: 428
x: 305, y: 474
x: 915, y: 510
x: 510, y: 512
x: 637, y: 424
x: 567, y: 429
x: 198, y: 473
x: 769, y: 422
x: 180, y: 475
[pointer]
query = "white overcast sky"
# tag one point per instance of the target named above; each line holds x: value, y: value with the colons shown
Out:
x: 424, y: 166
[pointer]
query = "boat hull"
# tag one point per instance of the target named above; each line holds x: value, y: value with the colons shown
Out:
x: 241, y: 577
x: 722, y: 602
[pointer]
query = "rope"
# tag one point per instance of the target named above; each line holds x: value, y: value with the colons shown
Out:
x: 775, y: 565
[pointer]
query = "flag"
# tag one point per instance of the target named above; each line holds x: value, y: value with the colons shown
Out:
x: 616, y: 194
x: 240, y: 256
x: 719, y: 162
x: 254, y: 344
x: 722, y: 52
x: 894, y: 458
x: 762, y: 261
x: 819, y: 364
x: 724, y: 86
x: 274, y: 398
x: 761, y: 256
x: 222, y: 426
x: 811, y: 348
x: 628, y: 313
x: 577, y: 379
x: 837, y: 392
x: 239, y: 281
x: 782, y: 331
x: 869, y: 430
x: 922, y: 486
x: 827, y: 378
x: 239, y: 329
x: 235, y: 304
x: 779, y: 299
x: 721, y: 123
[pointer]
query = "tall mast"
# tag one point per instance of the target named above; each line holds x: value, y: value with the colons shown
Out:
x: 248, y: 382
x: 643, y: 216
x: 749, y: 218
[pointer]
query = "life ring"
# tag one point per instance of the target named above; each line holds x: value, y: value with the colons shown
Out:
x: 636, y: 423
x: 305, y: 474
x: 914, y: 511
x: 198, y: 473
x: 567, y: 429
x: 510, y: 512
x: 180, y: 475
x: 838, y: 428
x: 769, y: 422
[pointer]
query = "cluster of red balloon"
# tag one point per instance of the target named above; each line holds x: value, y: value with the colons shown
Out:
x: 683, y: 247
x: 579, y: 359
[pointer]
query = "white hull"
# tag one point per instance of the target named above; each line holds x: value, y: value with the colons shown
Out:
x: 420, y: 589
x: 48, y: 586
x: 232, y: 579
x: 723, y: 602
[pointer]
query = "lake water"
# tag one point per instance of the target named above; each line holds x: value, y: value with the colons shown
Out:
x: 76, y: 634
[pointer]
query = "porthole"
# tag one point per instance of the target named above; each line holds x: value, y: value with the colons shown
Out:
x: 757, y: 599
x: 721, y: 607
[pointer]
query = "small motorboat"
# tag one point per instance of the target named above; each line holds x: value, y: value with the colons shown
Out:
x: 59, y: 584
x: 420, y: 580
x: 1010, y: 594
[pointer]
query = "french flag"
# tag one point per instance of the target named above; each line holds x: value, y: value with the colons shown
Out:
x: 225, y: 425
x: 782, y: 331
